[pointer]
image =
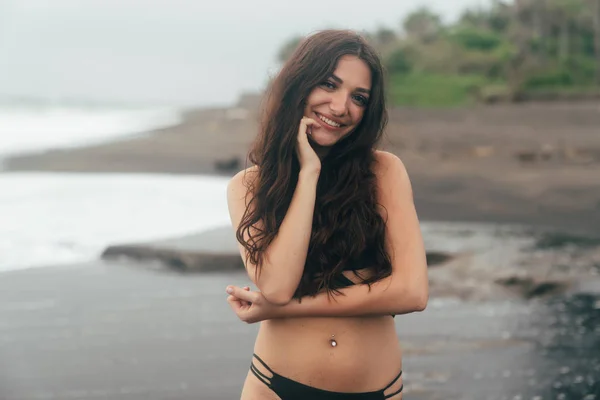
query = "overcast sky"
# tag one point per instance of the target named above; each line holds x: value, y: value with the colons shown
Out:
x: 173, y: 52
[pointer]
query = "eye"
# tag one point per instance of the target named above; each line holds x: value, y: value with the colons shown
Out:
x: 328, y: 85
x: 361, y: 100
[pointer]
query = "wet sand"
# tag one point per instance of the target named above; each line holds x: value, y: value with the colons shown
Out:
x: 121, y: 331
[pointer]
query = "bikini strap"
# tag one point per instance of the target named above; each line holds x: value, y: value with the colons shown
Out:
x: 262, y: 377
x: 263, y: 363
x: 392, y: 382
x: 395, y: 393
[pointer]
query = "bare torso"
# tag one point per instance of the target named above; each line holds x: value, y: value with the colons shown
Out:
x: 367, y: 356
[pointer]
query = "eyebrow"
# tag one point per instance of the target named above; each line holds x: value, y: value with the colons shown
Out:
x: 338, y: 80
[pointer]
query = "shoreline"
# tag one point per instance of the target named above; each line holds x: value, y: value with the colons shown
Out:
x: 532, y: 164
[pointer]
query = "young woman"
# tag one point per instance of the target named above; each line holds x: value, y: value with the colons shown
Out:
x: 328, y: 232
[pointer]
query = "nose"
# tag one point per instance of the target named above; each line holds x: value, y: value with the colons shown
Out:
x: 338, y: 104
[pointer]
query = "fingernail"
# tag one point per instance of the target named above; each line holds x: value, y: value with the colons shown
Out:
x: 229, y: 290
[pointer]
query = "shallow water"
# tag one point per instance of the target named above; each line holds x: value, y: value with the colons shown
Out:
x: 49, y: 219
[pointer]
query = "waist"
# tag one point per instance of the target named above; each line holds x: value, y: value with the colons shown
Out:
x: 367, y: 349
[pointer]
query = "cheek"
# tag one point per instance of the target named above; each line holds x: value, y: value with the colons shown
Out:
x: 357, y: 115
x: 322, y: 98
x: 314, y: 98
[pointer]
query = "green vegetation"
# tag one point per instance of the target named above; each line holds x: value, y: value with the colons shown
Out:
x: 508, y: 51
x: 433, y: 90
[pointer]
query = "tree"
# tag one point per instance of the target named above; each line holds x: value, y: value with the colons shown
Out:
x: 474, y: 38
x: 384, y: 36
x: 519, y: 46
x: 567, y: 15
x: 423, y: 25
x: 398, y: 63
x: 500, y: 16
x: 517, y: 65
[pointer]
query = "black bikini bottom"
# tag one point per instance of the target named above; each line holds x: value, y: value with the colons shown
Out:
x: 288, y: 389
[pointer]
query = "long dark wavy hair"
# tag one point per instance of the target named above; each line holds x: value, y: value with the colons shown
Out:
x: 347, y: 223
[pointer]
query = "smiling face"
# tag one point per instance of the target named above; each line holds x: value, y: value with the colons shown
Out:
x: 339, y: 103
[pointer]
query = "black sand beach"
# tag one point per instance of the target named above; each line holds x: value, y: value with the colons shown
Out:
x: 120, y: 331
x: 150, y: 321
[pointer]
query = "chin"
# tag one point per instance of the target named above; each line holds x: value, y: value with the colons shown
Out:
x: 324, y: 140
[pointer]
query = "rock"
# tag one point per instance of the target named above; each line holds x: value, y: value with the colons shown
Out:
x: 561, y: 240
x: 545, y: 288
x: 435, y: 258
x: 529, y: 288
x: 526, y: 156
x: 232, y: 164
x: 214, y: 250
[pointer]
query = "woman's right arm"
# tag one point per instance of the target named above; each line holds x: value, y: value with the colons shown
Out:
x: 285, y: 257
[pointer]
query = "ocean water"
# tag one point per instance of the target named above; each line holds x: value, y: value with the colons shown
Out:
x: 36, y: 126
x: 49, y: 219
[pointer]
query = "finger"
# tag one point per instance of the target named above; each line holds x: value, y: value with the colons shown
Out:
x: 234, y: 303
x: 232, y: 299
x: 247, y: 303
x: 241, y: 294
x: 236, y: 299
x: 308, y: 121
x: 305, y: 123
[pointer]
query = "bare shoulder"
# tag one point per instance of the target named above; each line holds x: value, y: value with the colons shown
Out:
x: 237, y: 193
x: 389, y: 168
x: 239, y: 184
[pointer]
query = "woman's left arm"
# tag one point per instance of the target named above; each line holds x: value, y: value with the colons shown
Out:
x: 406, y: 290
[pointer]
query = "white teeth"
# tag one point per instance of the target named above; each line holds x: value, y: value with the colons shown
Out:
x: 329, y: 122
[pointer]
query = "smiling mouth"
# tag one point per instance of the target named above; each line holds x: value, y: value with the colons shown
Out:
x: 328, y: 122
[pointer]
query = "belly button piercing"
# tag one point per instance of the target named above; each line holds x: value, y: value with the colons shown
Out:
x: 332, y: 341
